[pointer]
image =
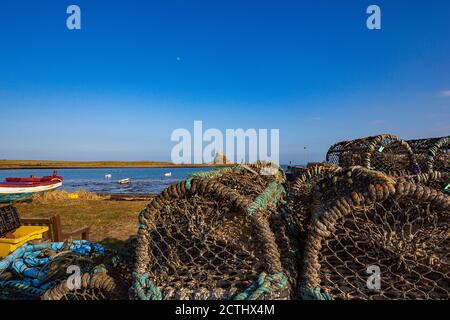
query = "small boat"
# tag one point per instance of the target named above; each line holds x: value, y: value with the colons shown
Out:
x: 124, y: 181
x: 23, y: 188
x: 108, y: 176
x: 168, y: 174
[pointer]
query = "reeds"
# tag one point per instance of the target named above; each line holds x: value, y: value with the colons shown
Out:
x: 62, y: 195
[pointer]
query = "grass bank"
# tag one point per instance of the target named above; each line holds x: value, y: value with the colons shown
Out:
x: 50, y: 164
x: 108, y: 219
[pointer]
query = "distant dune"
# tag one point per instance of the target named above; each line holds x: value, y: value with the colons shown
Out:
x: 50, y: 164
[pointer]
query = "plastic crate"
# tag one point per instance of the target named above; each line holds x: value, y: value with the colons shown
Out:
x: 19, y: 237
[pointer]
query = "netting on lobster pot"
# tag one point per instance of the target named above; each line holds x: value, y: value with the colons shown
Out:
x: 435, y: 179
x: 209, y: 238
x: 92, y: 286
x: 300, y: 198
x: 376, y: 238
x: 439, y: 156
x: 289, y: 224
x: 386, y: 153
x: 420, y: 148
x: 109, y: 279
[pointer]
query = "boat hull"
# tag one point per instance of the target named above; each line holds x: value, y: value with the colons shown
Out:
x: 6, y: 198
x: 18, y: 192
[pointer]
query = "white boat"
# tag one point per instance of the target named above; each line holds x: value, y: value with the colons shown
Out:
x: 168, y: 174
x: 23, y: 188
x: 108, y: 176
x: 124, y: 181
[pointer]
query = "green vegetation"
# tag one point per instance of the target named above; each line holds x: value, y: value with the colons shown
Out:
x: 107, y: 219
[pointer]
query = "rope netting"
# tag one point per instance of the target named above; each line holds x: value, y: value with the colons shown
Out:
x: 386, y: 153
x: 435, y: 179
x: 366, y: 220
x: 420, y: 148
x: 9, y: 219
x: 34, y: 268
x: 439, y: 156
x: 210, y: 238
x: 109, y: 279
x: 97, y: 286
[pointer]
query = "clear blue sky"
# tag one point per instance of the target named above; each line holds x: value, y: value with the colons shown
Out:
x: 116, y: 90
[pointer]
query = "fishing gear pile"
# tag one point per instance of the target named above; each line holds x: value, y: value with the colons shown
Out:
x: 34, y: 268
x: 109, y: 279
x: 361, y: 233
x: 372, y: 222
x: 209, y: 237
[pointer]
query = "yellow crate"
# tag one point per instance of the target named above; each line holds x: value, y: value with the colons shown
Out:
x: 20, y: 236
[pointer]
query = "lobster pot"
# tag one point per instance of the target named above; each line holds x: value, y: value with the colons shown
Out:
x: 300, y: 196
x: 377, y: 238
x: 289, y: 225
x: 420, y: 148
x: 439, y: 156
x: 386, y: 153
x: 98, y: 286
x: 435, y: 179
x: 9, y: 219
x: 209, y: 238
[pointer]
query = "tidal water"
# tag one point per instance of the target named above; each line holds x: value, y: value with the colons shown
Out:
x: 143, y: 180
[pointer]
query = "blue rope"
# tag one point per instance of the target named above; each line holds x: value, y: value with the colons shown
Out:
x: 23, y: 287
x: 141, y: 224
x: 210, y: 174
x: 31, y: 262
x: 265, y: 284
x: 447, y: 189
x: 272, y: 193
x: 145, y: 288
x: 313, y: 294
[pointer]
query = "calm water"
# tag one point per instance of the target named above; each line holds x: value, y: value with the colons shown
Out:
x: 146, y: 180
x: 143, y: 181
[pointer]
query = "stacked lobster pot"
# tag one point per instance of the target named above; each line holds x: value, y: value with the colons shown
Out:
x: 375, y: 237
x: 433, y: 156
x: 374, y: 227
x: 386, y: 153
x: 210, y: 237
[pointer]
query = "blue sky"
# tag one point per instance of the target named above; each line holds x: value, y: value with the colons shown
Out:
x: 116, y: 89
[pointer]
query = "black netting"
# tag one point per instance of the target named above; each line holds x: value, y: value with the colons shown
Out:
x: 9, y: 219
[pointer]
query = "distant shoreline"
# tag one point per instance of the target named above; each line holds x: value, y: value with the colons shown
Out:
x: 49, y: 164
